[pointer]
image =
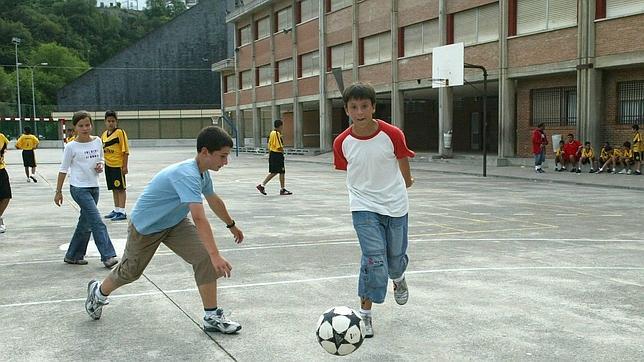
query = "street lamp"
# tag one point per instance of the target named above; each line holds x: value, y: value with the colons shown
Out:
x: 33, y: 92
x: 16, y: 41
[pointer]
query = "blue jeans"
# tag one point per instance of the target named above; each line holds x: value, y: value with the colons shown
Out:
x: 383, y: 241
x: 539, y: 158
x: 89, y: 223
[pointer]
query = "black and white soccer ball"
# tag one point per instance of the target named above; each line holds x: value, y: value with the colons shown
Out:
x: 340, y: 331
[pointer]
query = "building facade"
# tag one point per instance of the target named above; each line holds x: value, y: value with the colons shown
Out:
x: 575, y: 65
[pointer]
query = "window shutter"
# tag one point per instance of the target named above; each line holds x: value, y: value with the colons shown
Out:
x: 488, y: 23
x: 465, y: 25
x: 431, y: 35
x: 562, y: 13
x: 623, y: 7
x: 531, y: 16
x: 413, y: 39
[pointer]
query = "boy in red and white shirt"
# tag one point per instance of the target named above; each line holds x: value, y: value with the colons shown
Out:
x: 376, y: 158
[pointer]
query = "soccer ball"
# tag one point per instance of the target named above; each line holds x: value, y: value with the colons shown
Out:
x: 340, y: 331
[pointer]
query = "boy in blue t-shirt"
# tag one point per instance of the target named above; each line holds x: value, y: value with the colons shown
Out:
x: 160, y: 216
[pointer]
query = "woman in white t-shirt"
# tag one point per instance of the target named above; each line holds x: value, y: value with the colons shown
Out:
x: 83, y: 160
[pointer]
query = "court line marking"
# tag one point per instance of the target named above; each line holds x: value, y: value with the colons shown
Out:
x: 309, y: 280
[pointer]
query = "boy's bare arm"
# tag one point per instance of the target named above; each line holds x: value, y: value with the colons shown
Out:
x: 125, y: 159
x: 218, y: 206
x: 222, y: 266
x: 403, y: 163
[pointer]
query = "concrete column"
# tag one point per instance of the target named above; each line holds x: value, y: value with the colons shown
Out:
x: 507, y: 95
x: 397, y: 117
x: 355, y: 40
x: 274, y: 110
x: 297, y: 107
x: 253, y: 76
x: 238, y: 121
x: 298, y: 114
x: 445, y: 94
x: 325, y: 114
x: 588, y: 79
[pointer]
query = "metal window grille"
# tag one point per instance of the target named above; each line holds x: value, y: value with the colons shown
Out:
x: 554, y: 106
x: 630, y: 97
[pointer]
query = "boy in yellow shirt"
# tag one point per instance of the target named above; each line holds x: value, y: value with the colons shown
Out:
x: 117, y: 152
x: 5, y: 187
x: 638, y: 149
x: 587, y: 157
x: 559, y: 157
x: 28, y: 143
x: 275, y: 159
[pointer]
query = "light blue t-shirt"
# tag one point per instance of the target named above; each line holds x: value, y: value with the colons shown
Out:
x: 164, y: 201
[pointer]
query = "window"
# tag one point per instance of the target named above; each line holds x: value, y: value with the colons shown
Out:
x: 616, y: 8
x: 554, y: 106
x: 284, y: 19
x: 230, y: 83
x: 264, y: 75
x: 263, y: 28
x: 245, y: 80
x: 285, y: 70
x: 308, y: 10
x: 477, y: 25
x: 310, y: 64
x: 342, y: 56
x: 421, y: 38
x: 630, y: 96
x: 538, y: 15
x: 339, y: 4
x: 377, y: 48
x: 244, y: 35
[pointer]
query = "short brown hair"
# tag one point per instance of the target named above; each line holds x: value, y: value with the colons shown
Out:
x: 80, y: 115
x: 359, y: 90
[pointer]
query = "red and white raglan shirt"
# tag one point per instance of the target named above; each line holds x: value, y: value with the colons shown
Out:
x: 374, y: 179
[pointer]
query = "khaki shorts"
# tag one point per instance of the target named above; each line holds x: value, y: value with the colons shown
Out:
x: 181, y: 239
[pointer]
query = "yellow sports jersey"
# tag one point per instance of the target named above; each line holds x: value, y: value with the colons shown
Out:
x: 275, y: 142
x: 114, y: 146
x: 70, y: 138
x: 558, y: 152
x: 627, y: 153
x: 637, y: 142
x: 604, y: 155
x: 4, y: 143
x: 617, y: 152
x: 27, y: 142
x: 587, y: 153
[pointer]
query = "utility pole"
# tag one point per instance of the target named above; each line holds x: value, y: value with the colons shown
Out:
x: 16, y: 41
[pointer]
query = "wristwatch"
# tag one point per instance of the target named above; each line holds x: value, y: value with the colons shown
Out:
x: 232, y: 224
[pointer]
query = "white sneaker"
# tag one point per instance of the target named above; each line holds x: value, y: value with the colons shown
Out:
x: 368, y: 326
x: 629, y: 172
x: 93, y: 305
x: 623, y: 171
x: 218, y: 322
x: 401, y: 292
x: 3, y: 228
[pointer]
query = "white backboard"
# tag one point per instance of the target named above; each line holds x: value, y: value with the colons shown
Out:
x: 447, y: 65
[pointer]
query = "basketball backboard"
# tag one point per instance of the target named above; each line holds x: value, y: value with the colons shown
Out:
x: 447, y: 65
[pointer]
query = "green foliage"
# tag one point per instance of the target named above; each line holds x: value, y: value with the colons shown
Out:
x: 70, y: 35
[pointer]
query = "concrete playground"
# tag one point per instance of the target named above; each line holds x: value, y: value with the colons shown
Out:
x: 515, y: 266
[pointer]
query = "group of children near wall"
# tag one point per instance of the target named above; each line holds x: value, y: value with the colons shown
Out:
x: 627, y: 159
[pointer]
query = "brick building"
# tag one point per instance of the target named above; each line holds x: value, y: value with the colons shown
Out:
x: 576, y: 65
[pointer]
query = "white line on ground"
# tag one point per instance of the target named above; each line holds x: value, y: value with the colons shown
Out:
x: 309, y: 280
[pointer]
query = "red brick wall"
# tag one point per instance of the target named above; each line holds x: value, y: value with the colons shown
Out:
x: 418, y: 67
x: 332, y: 85
x: 263, y: 93
x: 287, y: 130
x: 308, y: 86
x: 244, y: 57
x: 621, y: 35
x: 374, y: 17
x: 486, y: 55
x: 262, y: 51
x: 307, y: 37
x: 414, y: 11
x: 376, y: 73
x: 543, y: 48
x: 524, y: 110
x: 245, y: 97
x: 338, y: 26
x: 283, y: 90
x: 229, y: 99
x: 454, y: 6
x: 283, y: 47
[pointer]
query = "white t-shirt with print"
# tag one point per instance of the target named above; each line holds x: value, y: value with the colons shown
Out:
x: 79, y: 161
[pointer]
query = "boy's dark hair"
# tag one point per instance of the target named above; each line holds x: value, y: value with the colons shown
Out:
x: 636, y: 127
x: 359, y: 90
x: 214, y: 139
x: 111, y: 114
x: 27, y: 130
x: 571, y: 135
x: 561, y: 141
x: 80, y: 115
x: 278, y: 123
x: 540, y: 125
x: 587, y: 143
x: 627, y: 144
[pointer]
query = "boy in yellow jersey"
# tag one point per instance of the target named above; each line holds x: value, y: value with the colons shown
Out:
x: 28, y: 143
x: 608, y: 156
x: 587, y: 157
x: 626, y: 159
x: 5, y: 187
x: 116, y: 151
x: 638, y: 149
x: 69, y: 135
x: 275, y: 159
x: 559, y: 157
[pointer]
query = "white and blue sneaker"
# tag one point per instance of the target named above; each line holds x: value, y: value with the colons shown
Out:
x: 119, y: 216
x: 401, y: 292
x: 218, y: 322
x: 94, y: 304
x: 110, y: 215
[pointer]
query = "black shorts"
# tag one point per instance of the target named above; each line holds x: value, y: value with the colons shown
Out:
x: 638, y: 156
x: 28, y: 158
x: 5, y: 187
x: 276, y: 162
x: 115, y: 178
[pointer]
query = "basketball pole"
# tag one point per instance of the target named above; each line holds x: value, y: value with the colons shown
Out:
x: 482, y: 68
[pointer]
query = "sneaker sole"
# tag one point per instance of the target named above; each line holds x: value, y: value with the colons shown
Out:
x: 215, y: 329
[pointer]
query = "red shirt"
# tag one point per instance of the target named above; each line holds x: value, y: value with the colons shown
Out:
x: 571, y: 148
x: 538, y: 138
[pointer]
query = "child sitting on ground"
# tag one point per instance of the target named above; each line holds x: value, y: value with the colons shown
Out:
x: 587, y: 157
